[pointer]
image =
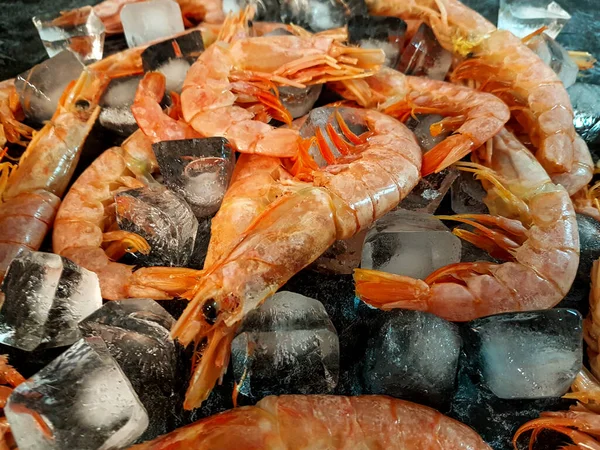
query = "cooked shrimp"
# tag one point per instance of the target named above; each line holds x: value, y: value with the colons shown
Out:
x: 591, y: 325
x: 503, y: 65
x: 335, y: 202
x: 324, y: 422
x: 532, y: 225
x: 84, y: 224
x: 586, y: 201
x: 9, y: 379
x: 475, y: 117
x: 11, y: 115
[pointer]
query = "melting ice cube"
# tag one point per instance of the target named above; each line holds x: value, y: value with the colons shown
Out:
x: 553, y: 54
x: 41, y: 87
x: 319, y: 15
x: 46, y: 295
x: 386, y: 33
x: 589, y: 246
x: 530, y: 354
x: 116, y: 104
x: 585, y: 99
x: 467, y: 195
x: 79, y: 30
x: 524, y: 17
x: 83, y: 400
x: 299, y: 101
x: 424, y: 56
x: 197, y: 169
x: 150, y: 20
x: 161, y: 217
x: 342, y: 257
x: 409, y: 243
x: 287, y: 345
x: 266, y: 10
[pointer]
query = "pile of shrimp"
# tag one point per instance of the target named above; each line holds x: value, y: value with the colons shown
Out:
x: 282, y: 209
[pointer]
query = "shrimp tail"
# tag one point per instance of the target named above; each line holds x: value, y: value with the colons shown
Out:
x: 560, y: 422
x: 388, y: 291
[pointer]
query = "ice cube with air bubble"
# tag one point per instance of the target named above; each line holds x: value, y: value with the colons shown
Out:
x: 409, y: 243
x: 116, y: 102
x: 424, y: 56
x: 41, y: 87
x: 554, y: 55
x: 266, y: 10
x: 150, y: 20
x: 199, y: 170
x: 342, y: 257
x: 287, y: 345
x: 81, y: 400
x: 525, y: 17
x: 319, y: 15
x: 467, y: 195
x: 585, y: 99
x: 45, y: 296
x: 299, y: 101
x: 163, y: 219
x: 379, y: 32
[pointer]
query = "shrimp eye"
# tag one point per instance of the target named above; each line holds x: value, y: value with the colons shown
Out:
x: 210, y: 311
x: 82, y: 104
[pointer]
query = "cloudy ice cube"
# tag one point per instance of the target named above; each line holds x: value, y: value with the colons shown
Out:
x: 137, y: 335
x: 554, y: 54
x: 413, y: 355
x: 46, y: 295
x: 589, y: 246
x: 266, y: 10
x: 79, y: 30
x: 287, y: 345
x: 585, y: 99
x: 161, y: 217
x: 299, y: 101
x: 319, y: 15
x: 424, y: 56
x: 197, y: 169
x: 409, y: 243
x: 342, y: 257
x: 386, y: 33
x: 83, y: 399
x: 467, y: 195
x: 150, y: 20
x: 116, y: 104
x: 524, y: 17
x: 530, y: 355
x: 41, y: 87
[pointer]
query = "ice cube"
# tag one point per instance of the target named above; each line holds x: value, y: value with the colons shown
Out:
x: 342, y: 257
x: 467, y: 195
x: 386, y: 33
x: 412, y: 355
x: 150, y: 20
x: 201, y: 244
x: 299, y: 101
x: 41, y: 87
x: 585, y: 99
x: 79, y: 30
x: 524, y: 17
x: 320, y: 15
x: 136, y: 333
x: 197, y: 169
x: 589, y: 245
x: 409, y: 243
x: 424, y: 56
x: 421, y: 126
x: 287, y: 345
x: 161, y: 217
x: 554, y: 54
x: 266, y: 10
x: 116, y: 104
x: 530, y: 355
x: 46, y: 295
x: 81, y: 400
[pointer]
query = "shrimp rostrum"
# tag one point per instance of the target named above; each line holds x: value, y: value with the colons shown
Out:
x: 532, y: 226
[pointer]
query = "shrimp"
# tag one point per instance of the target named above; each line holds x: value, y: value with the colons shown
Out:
x: 586, y: 200
x: 85, y: 220
x: 532, y: 225
x: 503, y: 65
x: 324, y: 422
x: 334, y: 202
x: 9, y: 379
x: 475, y: 117
x: 591, y: 325
x: 11, y: 114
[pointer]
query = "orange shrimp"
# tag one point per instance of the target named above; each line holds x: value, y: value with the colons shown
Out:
x: 586, y: 201
x: 11, y: 115
x: 532, y: 225
x: 324, y: 422
x: 9, y: 379
x: 591, y: 325
x: 475, y: 117
x: 335, y: 202
x: 503, y: 65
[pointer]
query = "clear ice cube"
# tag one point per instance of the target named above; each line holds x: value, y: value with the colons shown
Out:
x: 342, y: 257
x: 79, y: 30
x: 317, y: 15
x: 151, y: 20
x: 287, y: 345
x: 524, y: 17
x: 46, y: 295
x: 137, y: 335
x: 41, y: 87
x: 424, y: 56
x: 266, y: 10
x: 530, y: 355
x: 414, y: 356
x: 161, y: 217
x: 299, y: 101
x: 467, y: 195
x: 197, y: 169
x: 386, y: 33
x: 409, y: 243
x: 554, y: 54
x: 81, y: 400
x: 116, y: 104
x: 585, y: 99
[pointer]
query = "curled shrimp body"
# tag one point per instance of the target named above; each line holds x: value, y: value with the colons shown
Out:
x: 324, y: 422
x: 532, y: 225
x: 503, y: 65
x: 11, y: 129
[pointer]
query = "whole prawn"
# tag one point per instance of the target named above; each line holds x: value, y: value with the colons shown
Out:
x: 503, y: 65
x: 324, y: 422
x: 532, y: 225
